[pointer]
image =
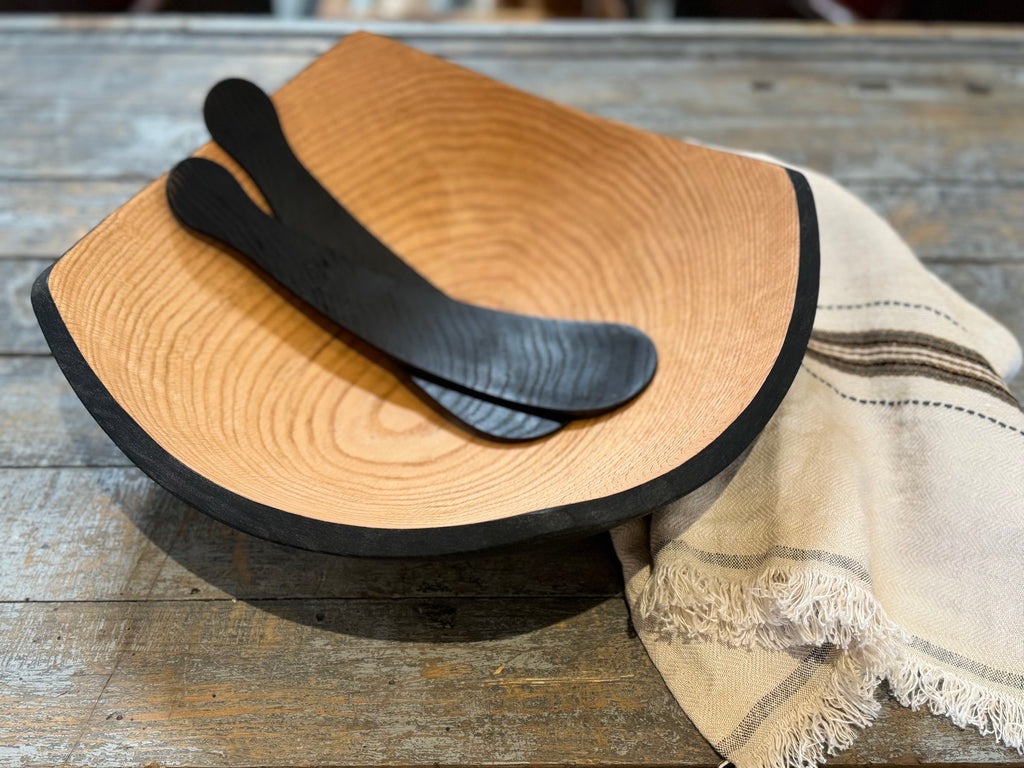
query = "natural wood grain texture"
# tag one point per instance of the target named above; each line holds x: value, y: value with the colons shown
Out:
x: 43, y: 423
x: 336, y: 682
x: 303, y: 682
x: 112, y: 534
x: 45, y: 218
x: 950, y: 222
x: 19, y: 331
x: 853, y: 107
x: 67, y: 118
x: 499, y: 199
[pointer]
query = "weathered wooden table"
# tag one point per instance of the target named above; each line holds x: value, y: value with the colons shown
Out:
x: 135, y: 630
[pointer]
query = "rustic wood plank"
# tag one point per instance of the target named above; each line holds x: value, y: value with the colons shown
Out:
x: 414, y: 682
x: 42, y: 422
x: 61, y: 131
x: 952, y: 222
x: 941, y: 220
x: 410, y: 682
x: 855, y: 113
x: 45, y: 218
x: 19, y: 332
x: 903, y: 737
x: 896, y: 40
x: 112, y: 534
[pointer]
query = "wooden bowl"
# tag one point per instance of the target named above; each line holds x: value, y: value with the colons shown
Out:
x: 248, y: 406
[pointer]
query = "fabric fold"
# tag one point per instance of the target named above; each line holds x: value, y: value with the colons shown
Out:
x: 873, y: 532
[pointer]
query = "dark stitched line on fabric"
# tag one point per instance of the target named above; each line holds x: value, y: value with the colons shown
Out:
x: 929, y: 370
x: 1009, y: 679
x: 774, y: 699
x: 925, y: 403
x: 891, y: 303
x: 747, y: 562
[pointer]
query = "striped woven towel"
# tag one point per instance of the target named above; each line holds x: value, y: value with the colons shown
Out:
x: 874, y: 531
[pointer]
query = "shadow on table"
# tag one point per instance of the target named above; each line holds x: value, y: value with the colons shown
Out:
x: 455, y: 599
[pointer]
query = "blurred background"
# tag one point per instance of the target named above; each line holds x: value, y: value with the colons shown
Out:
x: 837, y: 11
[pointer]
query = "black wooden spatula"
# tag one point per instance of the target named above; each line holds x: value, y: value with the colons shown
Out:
x: 559, y: 368
x: 242, y: 120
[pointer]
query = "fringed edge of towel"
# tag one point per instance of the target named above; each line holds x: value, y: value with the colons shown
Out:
x: 781, y: 608
x: 776, y: 608
x: 819, y: 727
x: 917, y: 683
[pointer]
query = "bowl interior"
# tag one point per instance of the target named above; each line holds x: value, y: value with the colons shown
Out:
x: 501, y: 199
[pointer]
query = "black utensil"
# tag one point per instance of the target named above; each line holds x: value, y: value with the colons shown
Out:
x: 553, y: 367
x: 242, y: 120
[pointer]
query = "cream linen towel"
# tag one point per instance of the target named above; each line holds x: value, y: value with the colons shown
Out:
x: 874, y: 531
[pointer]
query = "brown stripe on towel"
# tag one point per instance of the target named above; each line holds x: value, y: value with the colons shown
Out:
x: 902, y: 353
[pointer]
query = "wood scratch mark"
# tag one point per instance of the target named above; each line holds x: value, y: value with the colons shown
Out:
x: 95, y: 705
x: 560, y: 680
x: 124, y: 639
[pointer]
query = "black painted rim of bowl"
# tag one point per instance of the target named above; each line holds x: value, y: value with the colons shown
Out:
x: 566, y: 521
